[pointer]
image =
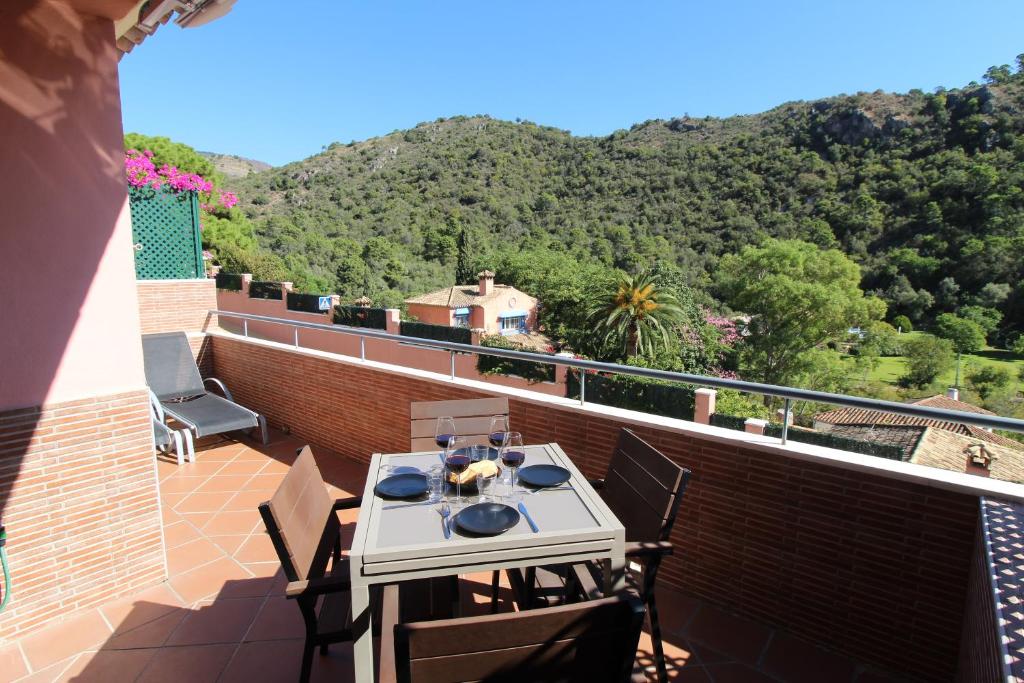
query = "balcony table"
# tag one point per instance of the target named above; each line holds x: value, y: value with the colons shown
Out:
x: 399, y: 540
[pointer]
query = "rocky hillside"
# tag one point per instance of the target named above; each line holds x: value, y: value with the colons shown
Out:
x: 925, y: 191
x: 235, y: 166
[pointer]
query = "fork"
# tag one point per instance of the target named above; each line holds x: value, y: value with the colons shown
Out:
x: 445, y: 511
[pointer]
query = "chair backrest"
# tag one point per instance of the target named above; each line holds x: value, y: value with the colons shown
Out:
x: 171, y: 370
x: 472, y: 419
x: 592, y: 641
x: 300, y: 520
x: 643, y: 488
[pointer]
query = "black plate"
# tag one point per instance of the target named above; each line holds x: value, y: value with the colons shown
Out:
x: 401, y: 486
x: 487, y: 519
x: 543, y: 475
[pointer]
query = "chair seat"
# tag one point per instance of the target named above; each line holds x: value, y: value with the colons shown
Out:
x: 210, y: 414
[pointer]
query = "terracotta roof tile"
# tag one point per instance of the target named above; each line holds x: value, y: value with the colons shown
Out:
x: 864, y: 417
x: 947, y: 450
x: 905, y: 437
x: 462, y: 296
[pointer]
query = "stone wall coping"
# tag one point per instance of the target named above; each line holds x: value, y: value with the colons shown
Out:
x: 882, y: 467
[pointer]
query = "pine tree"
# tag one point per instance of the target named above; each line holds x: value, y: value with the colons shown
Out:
x: 464, y: 274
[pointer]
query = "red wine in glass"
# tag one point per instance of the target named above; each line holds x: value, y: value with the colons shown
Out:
x: 512, y: 459
x: 496, y: 438
x: 457, y: 459
x: 442, y: 440
x: 457, y: 463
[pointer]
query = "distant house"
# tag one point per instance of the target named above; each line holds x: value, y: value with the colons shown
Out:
x: 935, y: 443
x: 494, y: 308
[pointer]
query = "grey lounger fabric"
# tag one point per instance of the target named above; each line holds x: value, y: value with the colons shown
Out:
x: 174, y: 378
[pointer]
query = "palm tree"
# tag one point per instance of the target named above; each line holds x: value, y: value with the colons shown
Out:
x: 637, y: 315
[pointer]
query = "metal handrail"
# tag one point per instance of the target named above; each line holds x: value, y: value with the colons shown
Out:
x: 788, y: 393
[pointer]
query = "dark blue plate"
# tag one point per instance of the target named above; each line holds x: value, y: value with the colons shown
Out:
x: 543, y: 476
x: 487, y: 519
x: 402, y: 486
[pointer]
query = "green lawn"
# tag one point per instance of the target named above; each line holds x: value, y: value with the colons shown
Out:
x: 891, y: 367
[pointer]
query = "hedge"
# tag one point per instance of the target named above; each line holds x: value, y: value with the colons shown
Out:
x: 635, y: 393
x: 457, y: 335
x: 304, y: 303
x: 229, y: 281
x: 881, y: 450
x: 359, y: 316
x: 265, y: 290
x: 729, y: 421
x: 529, y: 370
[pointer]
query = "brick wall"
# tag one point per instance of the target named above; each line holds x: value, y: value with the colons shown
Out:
x: 979, y: 649
x: 78, y: 495
x: 869, y: 565
x: 176, y: 305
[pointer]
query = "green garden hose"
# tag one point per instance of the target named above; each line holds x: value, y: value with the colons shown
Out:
x: 7, y: 572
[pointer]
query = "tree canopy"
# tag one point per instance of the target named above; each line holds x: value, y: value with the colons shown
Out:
x: 798, y: 297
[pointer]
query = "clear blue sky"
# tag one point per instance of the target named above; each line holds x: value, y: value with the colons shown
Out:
x: 276, y: 80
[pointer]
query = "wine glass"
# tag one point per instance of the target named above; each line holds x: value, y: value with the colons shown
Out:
x: 444, y: 431
x: 512, y: 456
x: 499, y: 428
x: 456, y: 459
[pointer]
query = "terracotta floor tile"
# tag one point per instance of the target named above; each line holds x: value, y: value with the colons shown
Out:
x: 689, y: 674
x: 675, y: 609
x: 276, y: 467
x: 201, y: 468
x: 220, y: 621
x: 678, y: 655
x: 208, y: 580
x: 740, y: 673
x: 108, y: 665
x: 268, y: 578
x: 257, y: 548
x: 270, y: 661
x: 225, y: 483
x: 192, y: 555
x: 336, y: 666
x: 162, y: 621
x: 60, y: 641
x: 797, y: 661
x: 233, y: 522
x: 12, y: 664
x: 180, y: 533
x: 229, y: 543
x: 225, y: 453
x: 202, y: 502
x: 242, y: 467
x: 729, y: 634
x: 278, y: 619
x: 264, y: 482
x: 247, y: 500
x: 167, y: 503
x: 124, y: 614
x: 181, y: 484
x: 50, y: 673
x: 197, y: 664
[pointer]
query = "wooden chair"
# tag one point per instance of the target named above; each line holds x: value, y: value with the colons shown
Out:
x: 593, y: 642
x: 472, y: 420
x: 302, y: 524
x: 643, y: 488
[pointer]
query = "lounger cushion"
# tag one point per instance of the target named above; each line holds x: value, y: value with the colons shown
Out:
x: 210, y: 414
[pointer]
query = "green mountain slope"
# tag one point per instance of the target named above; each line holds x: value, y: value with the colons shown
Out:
x: 925, y: 191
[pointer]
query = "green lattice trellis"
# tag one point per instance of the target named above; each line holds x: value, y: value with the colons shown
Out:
x: 165, y: 231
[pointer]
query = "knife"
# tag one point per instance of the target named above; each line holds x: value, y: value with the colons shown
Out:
x: 529, y: 519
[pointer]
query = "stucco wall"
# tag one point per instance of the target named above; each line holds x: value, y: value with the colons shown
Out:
x: 70, y: 311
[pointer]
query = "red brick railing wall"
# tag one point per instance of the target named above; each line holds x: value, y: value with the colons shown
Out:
x: 979, y: 650
x: 78, y: 495
x: 870, y: 565
x: 176, y: 305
